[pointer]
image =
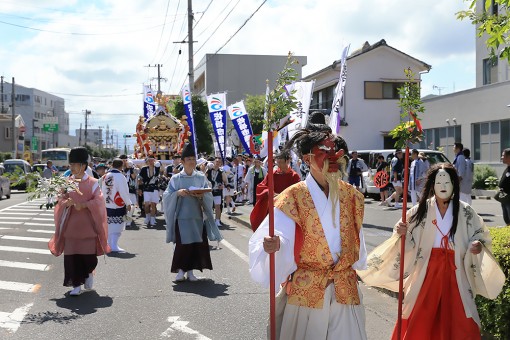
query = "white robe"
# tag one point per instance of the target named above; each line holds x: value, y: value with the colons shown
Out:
x: 302, y: 320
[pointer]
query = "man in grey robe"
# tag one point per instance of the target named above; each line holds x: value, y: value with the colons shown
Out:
x: 189, y: 218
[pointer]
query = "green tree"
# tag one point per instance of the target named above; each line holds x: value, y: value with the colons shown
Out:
x: 495, y: 25
x: 203, y: 127
x: 255, y: 108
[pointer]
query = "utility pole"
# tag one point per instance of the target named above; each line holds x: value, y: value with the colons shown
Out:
x: 87, y: 112
x: 190, y: 48
x: 13, y: 111
x: 79, y: 139
x: 2, y: 93
x: 107, y: 134
x: 159, y: 78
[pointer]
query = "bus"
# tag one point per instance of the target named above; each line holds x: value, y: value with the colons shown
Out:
x: 59, y: 157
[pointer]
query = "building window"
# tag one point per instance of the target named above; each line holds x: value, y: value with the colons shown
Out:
x: 442, y: 139
x: 490, y: 139
x: 8, y: 134
x: 490, y: 71
x: 323, y: 99
x: 382, y: 90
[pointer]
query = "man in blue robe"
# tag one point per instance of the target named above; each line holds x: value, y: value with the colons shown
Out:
x: 189, y: 218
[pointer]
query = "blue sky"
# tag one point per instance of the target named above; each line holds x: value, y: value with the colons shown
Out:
x: 100, y: 48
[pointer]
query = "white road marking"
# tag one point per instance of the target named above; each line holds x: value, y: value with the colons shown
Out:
x: 24, y: 265
x: 40, y: 224
x: 12, y: 321
x: 236, y: 251
x: 25, y: 250
x: 3, y: 228
x: 181, y: 326
x: 18, y: 286
x: 11, y: 213
x: 41, y: 231
x: 15, y: 218
x: 42, y: 219
x: 10, y: 222
x: 24, y: 238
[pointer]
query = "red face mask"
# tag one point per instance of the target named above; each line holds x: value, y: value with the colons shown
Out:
x: 326, y: 150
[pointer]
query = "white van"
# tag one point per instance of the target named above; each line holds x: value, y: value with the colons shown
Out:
x: 368, y: 177
x: 13, y: 165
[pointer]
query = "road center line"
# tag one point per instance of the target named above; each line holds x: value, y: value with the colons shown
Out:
x: 235, y: 251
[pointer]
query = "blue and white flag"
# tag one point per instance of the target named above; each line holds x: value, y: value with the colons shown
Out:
x: 188, y: 110
x: 337, y: 107
x: 241, y: 122
x: 149, y: 104
x: 218, y: 113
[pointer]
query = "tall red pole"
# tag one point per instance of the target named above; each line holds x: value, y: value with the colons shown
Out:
x: 403, y: 245
x: 270, y: 179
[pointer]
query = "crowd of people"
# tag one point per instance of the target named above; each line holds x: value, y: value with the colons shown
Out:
x: 318, y: 243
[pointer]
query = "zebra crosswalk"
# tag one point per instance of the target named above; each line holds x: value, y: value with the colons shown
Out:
x: 25, y: 230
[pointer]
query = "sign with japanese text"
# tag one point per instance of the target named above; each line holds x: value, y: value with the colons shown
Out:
x: 188, y: 111
x: 241, y: 122
x: 218, y: 113
x: 149, y: 103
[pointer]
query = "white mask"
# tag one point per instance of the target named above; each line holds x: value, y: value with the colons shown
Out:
x: 443, y: 186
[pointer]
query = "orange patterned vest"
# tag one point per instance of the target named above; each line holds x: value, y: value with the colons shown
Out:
x: 315, y: 263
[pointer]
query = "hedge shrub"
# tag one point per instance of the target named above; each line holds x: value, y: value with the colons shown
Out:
x: 495, y: 314
x: 480, y: 175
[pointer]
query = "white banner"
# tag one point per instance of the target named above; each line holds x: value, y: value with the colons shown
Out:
x: 337, y: 107
x: 303, y: 95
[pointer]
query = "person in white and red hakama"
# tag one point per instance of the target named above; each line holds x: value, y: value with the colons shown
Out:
x: 189, y: 218
x: 118, y: 203
x: 81, y: 230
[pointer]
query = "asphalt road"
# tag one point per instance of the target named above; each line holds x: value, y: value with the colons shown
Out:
x: 134, y: 295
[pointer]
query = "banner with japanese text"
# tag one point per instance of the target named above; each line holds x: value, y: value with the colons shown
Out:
x: 218, y: 113
x: 149, y: 103
x: 241, y: 122
x: 338, y: 106
x: 188, y: 110
x: 303, y: 94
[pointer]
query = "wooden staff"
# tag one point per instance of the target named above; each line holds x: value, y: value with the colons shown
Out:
x: 403, y: 244
x: 272, y: 292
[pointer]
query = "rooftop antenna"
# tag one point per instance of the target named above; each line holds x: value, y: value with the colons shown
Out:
x: 438, y: 88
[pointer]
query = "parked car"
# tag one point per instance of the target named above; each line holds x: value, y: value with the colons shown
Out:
x: 5, y: 184
x: 368, y: 177
x: 38, y: 168
x: 11, y: 165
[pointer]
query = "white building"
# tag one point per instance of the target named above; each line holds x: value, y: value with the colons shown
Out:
x: 37, y: 109
x: 479, y: 118
x: 374, y: 74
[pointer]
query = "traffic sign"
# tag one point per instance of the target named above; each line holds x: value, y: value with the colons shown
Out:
x: 50, y: 124
x: 35, y: 144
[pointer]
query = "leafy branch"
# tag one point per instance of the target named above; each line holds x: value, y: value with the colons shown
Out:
x: 409, y: 130
x: 280, y: 102
x: 495, y: 25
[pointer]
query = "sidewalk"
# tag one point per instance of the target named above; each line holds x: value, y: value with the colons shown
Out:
x: 380, y: 308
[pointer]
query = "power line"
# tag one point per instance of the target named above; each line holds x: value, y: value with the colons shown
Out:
x: 228, y: 14
x: 215, y: 53
x: 77, y: 33
x: 162, y: 30
x: 171, y: 31
x: 96, y: 95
